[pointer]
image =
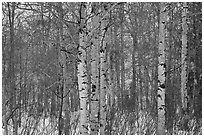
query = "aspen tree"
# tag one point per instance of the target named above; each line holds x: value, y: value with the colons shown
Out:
x: 82, y: 72
x: 161, y: 72
x: 94, y: 92
x: 183, y: 58
x: 103, y: 87
x: 94, y: 106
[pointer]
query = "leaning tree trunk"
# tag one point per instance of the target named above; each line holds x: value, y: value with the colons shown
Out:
x: 183, y: 58
x: 161, y: 72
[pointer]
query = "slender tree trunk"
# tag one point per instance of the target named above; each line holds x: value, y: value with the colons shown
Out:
x: 113, y: 93
x: 111, y: 96
x: 103, y: 86
x: 117, y: 66
x: 169, y: 92
x: 25, y: 81
x: 133, y: 87
x: 82, y: 72
x: 94, y: 92
x: 184, y: 95
x: 64, y: 80
x: 11, y: 9
x: 140, y: 89
x: 20, y: 94
x: 147, y: 85
x: 122, y: 54
x: 156, y: 62
x: 94, y: 68
x: 161, y: 72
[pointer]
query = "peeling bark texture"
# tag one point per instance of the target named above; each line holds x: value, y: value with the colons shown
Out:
x: 161, y: 72
x: 184, y: 95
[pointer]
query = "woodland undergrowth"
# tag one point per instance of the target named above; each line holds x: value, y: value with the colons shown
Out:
x: 118, y: 123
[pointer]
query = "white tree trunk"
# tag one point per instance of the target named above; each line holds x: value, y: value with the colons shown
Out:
x: 83, y: 95
x: 82, y: 73
x: 91, y: 34
x: 183, y: 58
x: 103, y: 87
x: 161, y: 72
x: 102, y: 92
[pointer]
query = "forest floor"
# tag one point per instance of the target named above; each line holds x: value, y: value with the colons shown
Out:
x: 126, y: 123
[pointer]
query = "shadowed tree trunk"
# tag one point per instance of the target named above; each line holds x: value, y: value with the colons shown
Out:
x: 184, y: 96
x: 169, y: 92
x: 133, y: 86
x: 94, y: 68
x: 122, y: 53
x: 161, y: 72
x: 11, y: 10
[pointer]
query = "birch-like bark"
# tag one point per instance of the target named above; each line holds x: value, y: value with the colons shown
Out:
x: 184, y: 95
x: 94, y: 106
x: 103, y: 87
x: 82, y: 72
x: 161, y: 72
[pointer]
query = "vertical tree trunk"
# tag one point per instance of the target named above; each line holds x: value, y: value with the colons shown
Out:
x: 103, y: 88
x: 64, y: 80
x: 25, y: 81
x: 161, y: 72
x: 133, y: 87
x: 112, y: 72
x: 140, y: 99
x: 184, y: 95
x: 117, y: 66
x: 169, y: 92
x: 121, y: 14
x: 147, y: 87
x: 94, y: 106
x: 82, y: 72
x: 20, y: 94
x: 155, y: 71
x: 11, y: 9
x: 110, y: 95
x: 94, y: 92
x: 102, y: 92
